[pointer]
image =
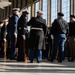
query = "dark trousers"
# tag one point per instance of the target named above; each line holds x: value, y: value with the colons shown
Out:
x: 12, y: 47
x: 38, y: 55
x: 1, y: 49
x: 59, y: 40
x: 20, y: 54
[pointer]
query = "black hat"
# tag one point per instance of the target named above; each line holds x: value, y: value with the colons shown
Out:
x: 72, y: 16
x: 60, y: 14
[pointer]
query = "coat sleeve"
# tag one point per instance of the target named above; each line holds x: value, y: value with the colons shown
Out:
x: 45, y: 28
x: 16, y: 18
x: 67, y: 28
x: 53, y: 28
x: 23, y: 26
x: 31, y: 21
x: 4, y: 31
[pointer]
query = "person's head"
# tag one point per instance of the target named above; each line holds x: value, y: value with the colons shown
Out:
x: 72, y: 18
x: 39, y: 13
x: 60, y: 15
x: 25, y: 13
x: 16, y: 11
x: 1, y: 23
x: 5, y: 22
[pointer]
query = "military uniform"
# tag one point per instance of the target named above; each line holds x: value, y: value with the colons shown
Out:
x: 13, y: 23
x: 37, y: 37
x: 22, y: 32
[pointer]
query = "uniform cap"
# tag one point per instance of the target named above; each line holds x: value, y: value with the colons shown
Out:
x: 16, y: 9
x: 41, y: 12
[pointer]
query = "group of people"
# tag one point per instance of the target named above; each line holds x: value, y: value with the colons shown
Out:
x: 22, y: 45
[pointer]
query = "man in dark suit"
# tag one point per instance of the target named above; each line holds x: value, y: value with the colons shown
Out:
x: 22, y: 33
x: 37, y: 36
x: 59, y: 30
x: 13, y: 23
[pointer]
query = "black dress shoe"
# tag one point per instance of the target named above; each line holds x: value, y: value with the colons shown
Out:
x: 31, y: 61
x: 60, y: 61
x: 51, y: 60
x: 72, y: 60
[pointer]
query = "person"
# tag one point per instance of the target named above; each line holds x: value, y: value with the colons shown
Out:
x: 1, y: 25
x: 37, y: 36
x: 59, y: 30
x: 22, y: 33
x: 72, y: 38
x: 13, y: 23
x: 4, y: 34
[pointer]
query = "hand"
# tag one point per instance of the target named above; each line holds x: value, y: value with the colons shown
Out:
x: 15, y: 35
x: 52, y: 37
x: 24, y: 37
x: 4, y: 40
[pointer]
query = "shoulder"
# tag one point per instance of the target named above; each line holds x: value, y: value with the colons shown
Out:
x: 64, y: 21
x: 55, y: 20
x: 33, y: 18
x: 44, y: 21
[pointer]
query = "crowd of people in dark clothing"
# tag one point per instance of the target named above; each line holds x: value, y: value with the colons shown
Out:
x: 41, y: 42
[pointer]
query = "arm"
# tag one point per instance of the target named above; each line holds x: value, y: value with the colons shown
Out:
x: 46, y: 28
x: 24, y: 25
x: 31, y: 22
x: 53, y: 28
x: 16, y: 18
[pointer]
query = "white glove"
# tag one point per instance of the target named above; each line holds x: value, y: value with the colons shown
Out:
x: 24, y: 37
x: 15, y: 35
x: 4, y: 40
x: 52, y: 37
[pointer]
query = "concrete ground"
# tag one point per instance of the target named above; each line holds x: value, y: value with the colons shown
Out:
x: 44, y: 68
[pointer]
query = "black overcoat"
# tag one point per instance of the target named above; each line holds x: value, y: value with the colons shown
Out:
x: 21, y: 30
x: 37, y: 37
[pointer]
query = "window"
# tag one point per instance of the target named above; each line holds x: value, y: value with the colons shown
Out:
x: 29, y: 15
x: 45, y: 7
x: 53, y: 10
x: 37, y: 7
x: 66, y: 9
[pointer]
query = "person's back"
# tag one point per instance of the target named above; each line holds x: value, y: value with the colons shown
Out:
x: 59, y: 31
x: 37, y: 36
x: 59, y: 26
